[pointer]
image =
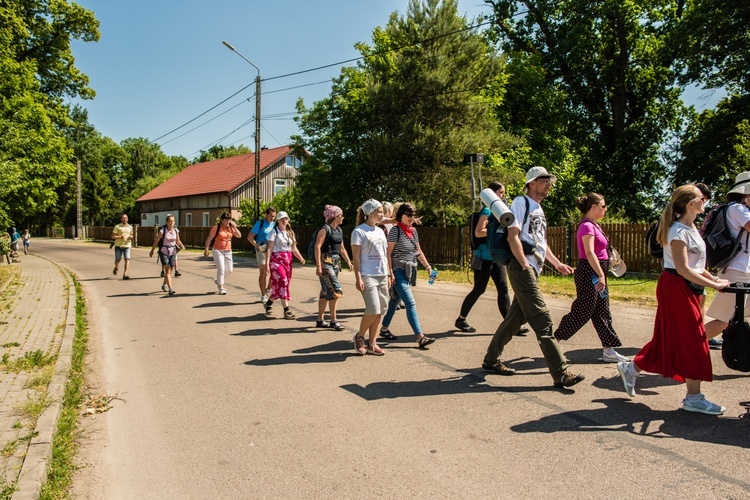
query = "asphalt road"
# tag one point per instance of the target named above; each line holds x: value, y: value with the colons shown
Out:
x: 221, y: 402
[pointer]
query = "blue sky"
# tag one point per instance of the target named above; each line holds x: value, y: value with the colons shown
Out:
x: 159, y: 64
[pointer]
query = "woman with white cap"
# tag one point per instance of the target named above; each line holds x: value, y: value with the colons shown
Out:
x: 738, y: 269
x: 371, y: 274
x: 592, y: 298
x: 282, y: 248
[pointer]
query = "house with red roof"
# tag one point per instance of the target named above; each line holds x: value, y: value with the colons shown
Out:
x: 201, y: 192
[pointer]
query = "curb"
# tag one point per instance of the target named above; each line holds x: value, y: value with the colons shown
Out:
x: 36, y: 463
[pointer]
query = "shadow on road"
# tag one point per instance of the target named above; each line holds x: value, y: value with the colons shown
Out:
x: 302, y: 360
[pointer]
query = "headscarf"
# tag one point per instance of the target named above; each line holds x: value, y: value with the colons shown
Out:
x: 370, y: 206
x: 331, y: 212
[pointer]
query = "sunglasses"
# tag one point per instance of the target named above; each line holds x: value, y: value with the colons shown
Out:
x: 410, y: 214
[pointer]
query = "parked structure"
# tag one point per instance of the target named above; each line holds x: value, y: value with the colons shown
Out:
x: 199, y: 194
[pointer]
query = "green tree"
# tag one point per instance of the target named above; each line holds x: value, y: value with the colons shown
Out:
x: 397, y: 126
x: 612, y: 64
x: 218, y: 152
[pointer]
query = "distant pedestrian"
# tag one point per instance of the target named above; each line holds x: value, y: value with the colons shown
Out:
x: 14, y: 239
x: 371, y: 274
x: 592, y: 297
x: 25, y: 237
x: 282, y: 248
x: 404, y: 253
x: 169, y: 243
x: 329, y: 248
x: 527, y: 237
x: 678, y: 348
x: 123, y: 235
x: 220, y: 241
x: 258, y: 238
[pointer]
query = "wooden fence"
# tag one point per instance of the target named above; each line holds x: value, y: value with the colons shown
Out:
x: 442, y: 245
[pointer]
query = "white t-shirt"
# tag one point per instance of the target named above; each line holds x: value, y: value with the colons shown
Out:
x: 373, y: 250
x: 738, y: 215
x: 696, y: 248
x: 534, y: 231
x: 282, y: 240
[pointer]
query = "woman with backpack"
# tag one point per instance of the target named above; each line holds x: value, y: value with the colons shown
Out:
x: 592, y: 298
x: 169, y: 244
x: 282, y: 248
x: 737, y: 270
x: 403, y: 254
x: 678, y: 348
x: 220, y: 241
x: 484, y: 269
x: 329, y: 247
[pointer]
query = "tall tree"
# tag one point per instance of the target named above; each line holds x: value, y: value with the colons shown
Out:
x: 398, y: 125
x: 613, y: 64
x: 218, y: 152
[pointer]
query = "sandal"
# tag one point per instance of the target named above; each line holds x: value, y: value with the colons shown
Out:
x: 321, y: 323
x: 289, y: 315
x: 269, y: 310
x: 114, y: 271
x: 374, y: 349
x: 424, y: 341
x: 386, y: 334
x: 336, y: 325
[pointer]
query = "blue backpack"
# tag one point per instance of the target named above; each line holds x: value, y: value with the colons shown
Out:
x: 497, y: 239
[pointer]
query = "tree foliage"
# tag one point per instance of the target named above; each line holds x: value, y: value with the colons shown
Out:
x: 218, y: 152
x: 397, y: 126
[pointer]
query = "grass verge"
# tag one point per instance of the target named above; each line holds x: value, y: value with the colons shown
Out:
x: 64, y: 444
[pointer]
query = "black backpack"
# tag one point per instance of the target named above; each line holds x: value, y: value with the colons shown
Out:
x: 497, y: 235
x: 311, y: 246
x: 473, y: 221
x: 721, y: 246
x: 735, y: 349
x: 654, y: 248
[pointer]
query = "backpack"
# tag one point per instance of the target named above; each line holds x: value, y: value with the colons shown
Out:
x: 473, y: 221
x: 311, y: 246
x: 654, y: 248
x: 497, y: 239
x: 735, y: 350
x: 721, y: 246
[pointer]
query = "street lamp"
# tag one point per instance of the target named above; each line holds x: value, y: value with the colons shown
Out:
x: 257, y: 128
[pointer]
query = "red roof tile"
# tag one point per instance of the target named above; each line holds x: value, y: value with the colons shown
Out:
x: 217, y: 176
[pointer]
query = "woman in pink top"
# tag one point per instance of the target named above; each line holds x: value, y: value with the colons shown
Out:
x: 220, y: 239
x: 592, y: 301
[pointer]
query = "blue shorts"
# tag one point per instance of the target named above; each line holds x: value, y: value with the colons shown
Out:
x: 121, y: 252
x: 168, y: 260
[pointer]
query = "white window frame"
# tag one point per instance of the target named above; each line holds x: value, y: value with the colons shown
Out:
x: 279, y: 185
x: 206, y: 219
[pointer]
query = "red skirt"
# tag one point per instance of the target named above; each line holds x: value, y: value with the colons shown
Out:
x: 678, y: 349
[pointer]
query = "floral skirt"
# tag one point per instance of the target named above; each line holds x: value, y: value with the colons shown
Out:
x: 281, y: 275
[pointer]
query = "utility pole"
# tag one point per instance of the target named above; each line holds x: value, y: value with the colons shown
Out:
x: 79, y: 202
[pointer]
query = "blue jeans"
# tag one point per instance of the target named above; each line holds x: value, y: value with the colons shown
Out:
x: 403, y: 291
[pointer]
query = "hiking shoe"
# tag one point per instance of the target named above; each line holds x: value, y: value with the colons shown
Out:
x: 463, y: 326
x: 177, y: 273
x: 498, y: 368
x: 126, y: 277
x: 359, y: 345
x: 171, y: 291
x: 522, y: 331
x: 615, y: 358
x: 222, y: 291
x: 374, y: 349
x: 702, y: 405
x: 289, y: 315
x: 568, y: 379
x: 164, y: 288
x: 322, y: 324
x: 336, y: 326
x: 269, y: 310
x: 386, y: 334
x: 715, y: 343
x: 628, y: 379
x: 424, y: 341
x: 162, y: 273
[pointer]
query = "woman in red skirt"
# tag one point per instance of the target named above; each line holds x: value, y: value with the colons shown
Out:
x: 679, y: 349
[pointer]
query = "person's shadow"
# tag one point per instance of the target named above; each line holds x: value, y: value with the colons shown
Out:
x: 624, y: 415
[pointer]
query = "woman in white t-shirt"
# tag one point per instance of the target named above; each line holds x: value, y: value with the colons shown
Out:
x: 282, y: 248
x: 678, y: 348
x: 371, y: 273
x: 738, y: 269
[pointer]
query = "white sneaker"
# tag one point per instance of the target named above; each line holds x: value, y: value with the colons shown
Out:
x: 164, y: 288
x: 628, y: 380
x: 222, y: 291
x: 702, y: 405
x: 614, y: 358
x: 263, y: 298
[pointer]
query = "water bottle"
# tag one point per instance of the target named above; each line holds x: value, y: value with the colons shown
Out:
x: 433, y: 276
x: 595, y: 280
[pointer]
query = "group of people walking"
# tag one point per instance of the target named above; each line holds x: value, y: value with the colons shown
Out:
x: 385, y: 253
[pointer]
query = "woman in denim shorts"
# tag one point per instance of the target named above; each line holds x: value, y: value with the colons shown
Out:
x: 329, y: 247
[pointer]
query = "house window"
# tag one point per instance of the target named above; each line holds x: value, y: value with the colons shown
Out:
x: 205, y: 219
x: 156, y: 220
x: 279, y: 185
x: 188, y: 220
x: 293, y: 161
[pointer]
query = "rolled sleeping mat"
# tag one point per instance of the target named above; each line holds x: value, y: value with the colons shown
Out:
x: 499, y: 209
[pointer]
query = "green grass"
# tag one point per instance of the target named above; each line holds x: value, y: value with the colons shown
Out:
x: 64, y: 444
x: 30, y: 360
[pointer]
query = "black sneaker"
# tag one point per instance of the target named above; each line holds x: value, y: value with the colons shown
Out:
x: 424, y: 341
x: 177, y: 273
x: 568, y: 379
x: 498, y: 368
x: 522, y: 331
x: 463, y: 326
x: 162, y: 273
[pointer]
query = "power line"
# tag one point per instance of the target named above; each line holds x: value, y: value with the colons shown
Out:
x: 207, y: 121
